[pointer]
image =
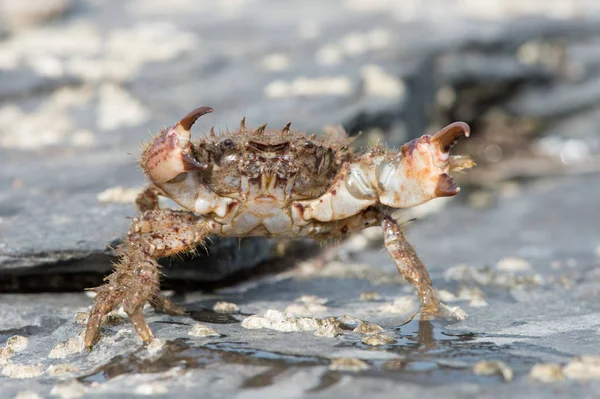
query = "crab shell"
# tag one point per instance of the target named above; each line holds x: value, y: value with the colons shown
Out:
x: 281, y: 182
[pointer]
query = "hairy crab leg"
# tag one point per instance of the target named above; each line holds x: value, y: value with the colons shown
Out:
x: 135, y: 280
x: 147, y: 200
x: 409, y: 265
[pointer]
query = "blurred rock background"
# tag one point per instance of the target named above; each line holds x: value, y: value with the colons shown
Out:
x: 83, y: 83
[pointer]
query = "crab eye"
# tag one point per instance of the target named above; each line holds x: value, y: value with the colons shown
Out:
x: 227, y: 143
x: 309, y: 144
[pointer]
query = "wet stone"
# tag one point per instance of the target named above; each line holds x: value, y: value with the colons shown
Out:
x: 200, y: 330
x: 378, y: 339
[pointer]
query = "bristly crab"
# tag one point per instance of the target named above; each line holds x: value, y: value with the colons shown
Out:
x: 273, y: 183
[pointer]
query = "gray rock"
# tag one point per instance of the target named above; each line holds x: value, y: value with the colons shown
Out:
x: 523, y: 323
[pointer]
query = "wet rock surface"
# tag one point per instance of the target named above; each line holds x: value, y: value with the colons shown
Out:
x: 82, y: 83
x: 541, y: 308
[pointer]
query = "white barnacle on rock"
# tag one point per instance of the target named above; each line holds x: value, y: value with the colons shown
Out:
x: 305, y: 309
x: 81, y: 317
x: 403, y: 304
x: 378, y: 339
x: 546, y: 372
x: 312, y: 299
x: 349, y: 322
x: 17, y: 343
x: 13, y: 370
x: 276, y: 62
x: 226, y: 307
x: 329, y: 331
x: 154, y: 388
x: 370, y: 296
x: 377, y: 82
x: 72, y: 346
x: 155, y: 346
x: 307, y: 323
x: 329, y: 55
x: 454, y: 312
x: 446, y: 296
x: 200, y: 330
x: 5, y: 355
x: 583, y: 368
x: 368, y: 328
x: 285, y: 322
x: 310, y: 87
x: 493, y: 367
x: 69, y: 390
x: 28, y: 395
x: 118, y: 108
x: 119, y: 195
x: 348, y: 364
x: 256, y: 322
x: 61, y: 369
x: 511, y: 264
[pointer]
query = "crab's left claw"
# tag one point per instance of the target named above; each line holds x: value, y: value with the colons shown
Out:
x: 168, y: 155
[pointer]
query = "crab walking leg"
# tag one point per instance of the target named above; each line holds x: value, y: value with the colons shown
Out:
x: 409, y: 265
x: 161, y: 219
x: 135, y: 280
x: 147, y: 200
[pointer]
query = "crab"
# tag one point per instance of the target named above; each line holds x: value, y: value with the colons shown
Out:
x: 272, y: 183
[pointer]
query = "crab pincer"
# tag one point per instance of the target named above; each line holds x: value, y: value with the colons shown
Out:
x: 442, y: 142
x: 170, y: 153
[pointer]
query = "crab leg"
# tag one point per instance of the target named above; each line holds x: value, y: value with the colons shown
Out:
x: 135, y: 280
x: 409, y: 265
x: 147, y: 200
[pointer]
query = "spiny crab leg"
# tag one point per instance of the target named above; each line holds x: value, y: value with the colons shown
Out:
x: 169, y: 154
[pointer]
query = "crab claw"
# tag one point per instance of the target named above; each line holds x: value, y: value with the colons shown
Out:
x: 168, y: 155
x: 420, y: 172
x: 441, y: 144
x: 446, y: 138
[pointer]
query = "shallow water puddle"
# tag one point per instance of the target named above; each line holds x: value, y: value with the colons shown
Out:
x: 426, y: 352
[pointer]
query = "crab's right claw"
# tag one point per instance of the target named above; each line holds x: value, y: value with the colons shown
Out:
x: 168, y: 155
